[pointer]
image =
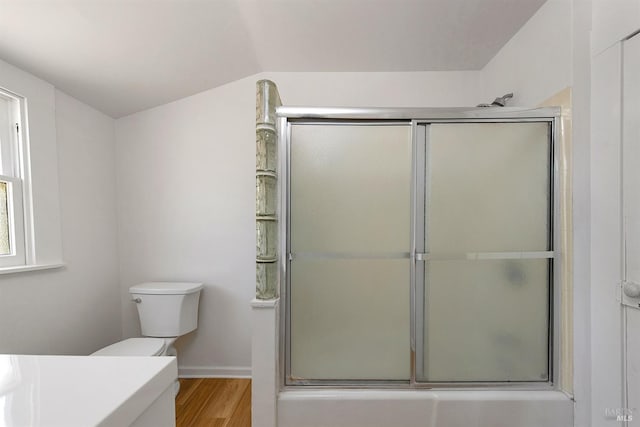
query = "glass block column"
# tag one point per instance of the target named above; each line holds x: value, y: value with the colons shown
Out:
x: 267, y: 99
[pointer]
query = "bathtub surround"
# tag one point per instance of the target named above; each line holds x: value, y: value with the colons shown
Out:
x: 425, y: 408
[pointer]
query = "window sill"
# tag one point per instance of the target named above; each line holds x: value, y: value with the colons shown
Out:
x: 22, y: 268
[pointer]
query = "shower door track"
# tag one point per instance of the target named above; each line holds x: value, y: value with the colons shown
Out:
x: 418, y: 119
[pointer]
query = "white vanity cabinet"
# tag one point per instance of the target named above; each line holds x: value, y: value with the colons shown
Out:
x: 81, y: 391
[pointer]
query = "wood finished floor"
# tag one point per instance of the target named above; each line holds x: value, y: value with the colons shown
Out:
x: 214, y: 402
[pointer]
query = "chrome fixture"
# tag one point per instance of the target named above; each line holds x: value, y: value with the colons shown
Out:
x: 498, y: 102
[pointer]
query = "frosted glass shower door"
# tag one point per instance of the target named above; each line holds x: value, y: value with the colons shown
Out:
x: 350, y: 224
x: 487, y: 250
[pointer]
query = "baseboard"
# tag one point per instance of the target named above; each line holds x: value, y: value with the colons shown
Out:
x: 214, y: 372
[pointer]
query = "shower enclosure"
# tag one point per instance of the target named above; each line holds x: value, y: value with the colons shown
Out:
x: 419, y: 247
x: 412, y: 267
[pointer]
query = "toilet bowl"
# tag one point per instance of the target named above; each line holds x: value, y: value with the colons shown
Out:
x: 167, y: 310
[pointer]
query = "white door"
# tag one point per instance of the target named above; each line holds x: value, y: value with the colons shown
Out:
x: 631, y: 225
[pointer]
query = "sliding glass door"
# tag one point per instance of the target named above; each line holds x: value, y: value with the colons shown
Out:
x: 419, y: 252
x: 487, y: 249
x: 350, y: 228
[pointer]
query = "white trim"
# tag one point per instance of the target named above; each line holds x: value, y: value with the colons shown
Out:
x: 7, y: 129
x: 35, y: 267
x: 214, y: 372
x: 15, y: 171
x: 265, y: 303
x: 265, y: 362
x: 24, y: 162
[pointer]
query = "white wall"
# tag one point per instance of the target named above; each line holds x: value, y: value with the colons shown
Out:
x: 416, y: 89
x: 613, y: 20
x: 606, y: 326
x: 536, y: 62
x: 75, y: 309
x: 185, y: 174
x: 186, y: 194
x: 86, y: 156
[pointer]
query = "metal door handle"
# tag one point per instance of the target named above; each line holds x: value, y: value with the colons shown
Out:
x: 630, y: 289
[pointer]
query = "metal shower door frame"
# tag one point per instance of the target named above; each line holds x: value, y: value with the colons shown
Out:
x: 419, y: 120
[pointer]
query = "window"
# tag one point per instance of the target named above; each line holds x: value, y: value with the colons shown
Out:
x: 12, y: 230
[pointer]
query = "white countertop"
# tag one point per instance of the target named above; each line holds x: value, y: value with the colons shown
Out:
x: 82, y: 391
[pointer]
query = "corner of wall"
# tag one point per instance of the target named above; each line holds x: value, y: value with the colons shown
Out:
x: 536, y: 62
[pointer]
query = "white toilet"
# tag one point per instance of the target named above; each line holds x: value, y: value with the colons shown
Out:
x: 167, y: 310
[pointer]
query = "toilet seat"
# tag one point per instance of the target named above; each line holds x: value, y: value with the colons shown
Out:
x: 134, y: 347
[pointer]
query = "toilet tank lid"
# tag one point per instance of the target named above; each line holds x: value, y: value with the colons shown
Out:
x: 166, y: 288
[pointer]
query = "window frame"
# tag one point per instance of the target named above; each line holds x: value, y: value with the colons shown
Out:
x: 13, y: 169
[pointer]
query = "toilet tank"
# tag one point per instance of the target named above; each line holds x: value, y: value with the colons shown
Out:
x: 167, y: 309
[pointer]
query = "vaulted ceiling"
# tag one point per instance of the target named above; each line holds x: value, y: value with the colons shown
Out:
x: 123, y: 56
